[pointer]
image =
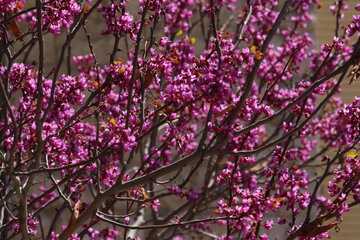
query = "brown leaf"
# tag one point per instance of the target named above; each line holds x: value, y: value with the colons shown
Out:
x: 86, y: 9
x: 13, y: 27
x: 226, y: 110
x: 74, y: 216
x: 258, y: 55
x: 149, y: 76
x: 313, y: 230
x: 137, y: 74
x: 355, y: 72
x: 203, y: 63
x: 175, y: 59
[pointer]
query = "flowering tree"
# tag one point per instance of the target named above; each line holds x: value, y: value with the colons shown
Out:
x: 219, y: 115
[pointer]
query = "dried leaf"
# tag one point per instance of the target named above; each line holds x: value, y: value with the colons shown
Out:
x: 149, y: 76
x: 203, y: 63
x: 13, y: 27
x: 74, y: 216
x: 137, y: 74
x: 143, y: 193
x: 175, y: 59
x: 355, y: 72
x: 20, y: 5
x: 258, y: 55
x: 314, y: 230
x: 226, y: 110
x: 157, y: 103
x: 277, y: 200
x: 95, y: 84
x: 146, y: 196
x: 86, y: 9
x: 295, y: 167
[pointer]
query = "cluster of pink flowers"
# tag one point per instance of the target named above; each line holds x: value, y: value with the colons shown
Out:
x: 57, y: 15
x: 201, y: 114
x: 116, y: 20
x: 10, y: 7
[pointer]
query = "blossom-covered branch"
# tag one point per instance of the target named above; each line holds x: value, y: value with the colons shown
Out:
x: 207, y: 119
